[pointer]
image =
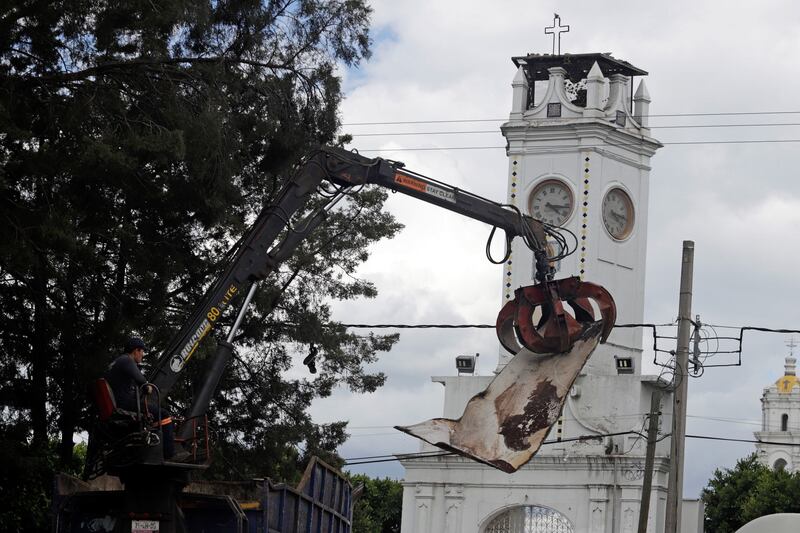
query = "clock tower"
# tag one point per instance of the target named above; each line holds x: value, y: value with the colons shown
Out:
x: 579, y: 151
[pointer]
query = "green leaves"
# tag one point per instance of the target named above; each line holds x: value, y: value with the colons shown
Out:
x: 379, y: 508
x: 136, y: 140
x: 736, y: 496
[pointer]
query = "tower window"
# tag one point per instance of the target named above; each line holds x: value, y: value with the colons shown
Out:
x: 784, y: 422
x: 554, y: 110
x: 624, y: 364
x: 780, y: 464
x: 465, y: 364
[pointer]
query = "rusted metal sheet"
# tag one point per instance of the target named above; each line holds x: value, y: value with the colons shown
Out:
x: 505, y: 425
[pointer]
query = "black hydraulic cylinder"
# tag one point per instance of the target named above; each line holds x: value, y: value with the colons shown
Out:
x: 202, y: 398
x: 250, y: 262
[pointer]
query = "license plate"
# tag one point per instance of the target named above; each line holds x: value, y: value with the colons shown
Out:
x: 144, y: 526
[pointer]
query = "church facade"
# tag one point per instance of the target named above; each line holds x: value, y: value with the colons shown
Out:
x: 780, y: 421
x: 579, y: 151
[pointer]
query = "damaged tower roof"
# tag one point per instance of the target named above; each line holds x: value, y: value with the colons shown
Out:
x: 576, y: 65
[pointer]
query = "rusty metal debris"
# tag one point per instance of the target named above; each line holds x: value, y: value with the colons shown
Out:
x: 505, y: 425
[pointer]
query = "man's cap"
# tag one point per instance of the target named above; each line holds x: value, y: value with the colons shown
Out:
x: 133, y: 343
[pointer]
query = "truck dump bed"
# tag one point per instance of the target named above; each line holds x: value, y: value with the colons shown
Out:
x: 321, y: 503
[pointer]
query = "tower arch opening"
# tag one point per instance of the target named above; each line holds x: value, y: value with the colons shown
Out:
x: 528, y: 519
x: 784, y: 422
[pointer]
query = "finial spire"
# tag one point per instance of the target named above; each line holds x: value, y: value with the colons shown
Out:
x: 791, y: 362
x: 556, y: 30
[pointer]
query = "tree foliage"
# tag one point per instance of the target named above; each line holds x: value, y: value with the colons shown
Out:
x: 137, y: 139
x: 734, y: 497
x: 380, y: 506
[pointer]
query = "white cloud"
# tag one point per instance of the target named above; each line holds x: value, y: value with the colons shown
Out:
x: 738, y: 202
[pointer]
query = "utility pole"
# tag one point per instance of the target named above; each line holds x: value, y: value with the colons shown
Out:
x: 652, y: 435
x: 678, y: 441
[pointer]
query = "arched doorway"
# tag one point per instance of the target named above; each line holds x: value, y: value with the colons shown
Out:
x: 529, y: 519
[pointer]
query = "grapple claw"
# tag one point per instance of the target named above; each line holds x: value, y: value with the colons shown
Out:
x: 556, y: 330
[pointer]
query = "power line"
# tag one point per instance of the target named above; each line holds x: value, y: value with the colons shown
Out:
x: 418, y: 326
x: 471, y: 132
x: 504, y: 119
x: 388, y: 434
x: 751, y: 441
x: 403, y: 455
x: 675, y: 143
x: 653, y: 327
x: 628, y: 415
x: 399, y: 457
x: 392, y: 459
x: 566, y: 419
x: 461, y: 326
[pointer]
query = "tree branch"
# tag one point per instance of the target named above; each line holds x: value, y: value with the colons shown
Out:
x: 134, y: 63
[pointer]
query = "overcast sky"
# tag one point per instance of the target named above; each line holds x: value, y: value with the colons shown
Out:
x: 740, y: 203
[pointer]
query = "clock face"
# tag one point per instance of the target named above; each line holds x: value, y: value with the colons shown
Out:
x: 618, y: 215
x: 552, y: 202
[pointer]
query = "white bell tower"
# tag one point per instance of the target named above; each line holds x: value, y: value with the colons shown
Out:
x: 780, y: 423
x: 579, y: 152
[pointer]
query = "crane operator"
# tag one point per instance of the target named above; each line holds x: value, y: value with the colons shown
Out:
x: 124, y: 377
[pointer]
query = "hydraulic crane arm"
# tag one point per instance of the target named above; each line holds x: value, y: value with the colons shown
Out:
x: 393, y: 175
x: 273, y: 238
x: 258, y: 253
x: 254, y: 257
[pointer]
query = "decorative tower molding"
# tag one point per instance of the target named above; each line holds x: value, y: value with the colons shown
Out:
x: 617, y: 94
x: 595, y: 83
x: 519, y: 91
x: 641, y: 105
x: 789, y: 367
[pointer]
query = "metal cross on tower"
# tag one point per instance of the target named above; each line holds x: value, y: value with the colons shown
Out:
x: 791, y: 345
x: 556, y: 30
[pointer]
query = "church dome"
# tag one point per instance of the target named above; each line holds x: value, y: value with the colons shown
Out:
x: 789, y: 380
x: 785, y: 384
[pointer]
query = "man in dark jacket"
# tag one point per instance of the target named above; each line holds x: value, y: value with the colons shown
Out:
x: 124, y: 377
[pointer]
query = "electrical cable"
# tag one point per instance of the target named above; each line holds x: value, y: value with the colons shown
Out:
x: 443, y: 326
x: 413, y: 454
x: 582, y: 147
x: 454, y: 121
x: 640, y: 435
x: 401, y: 434
x: 669, y: 364
x: 751, y: 441
x: 486, y: 132
x: 399, y: 457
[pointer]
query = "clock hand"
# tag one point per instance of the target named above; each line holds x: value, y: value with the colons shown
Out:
x: 556, y: 207
x: 618, y: 216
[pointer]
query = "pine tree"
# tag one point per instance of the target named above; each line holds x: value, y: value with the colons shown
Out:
x: 136, y: 141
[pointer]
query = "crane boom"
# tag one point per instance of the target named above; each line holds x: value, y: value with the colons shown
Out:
x: 261, y: 250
